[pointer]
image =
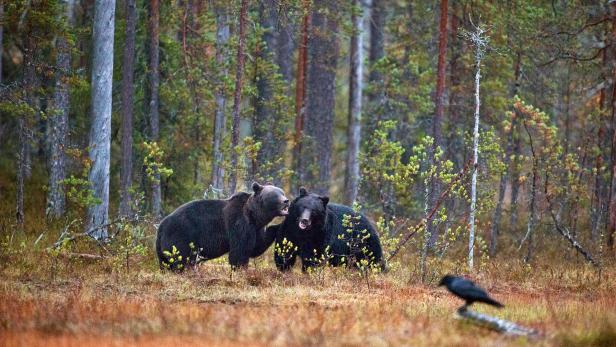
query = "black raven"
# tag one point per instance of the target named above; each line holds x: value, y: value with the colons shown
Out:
x: 467, y: 291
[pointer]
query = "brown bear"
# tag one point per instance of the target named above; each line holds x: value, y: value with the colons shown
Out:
x: 207, y: 229
x: 316, y: 227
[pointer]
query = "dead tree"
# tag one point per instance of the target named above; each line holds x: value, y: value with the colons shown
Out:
x: 480, y: 41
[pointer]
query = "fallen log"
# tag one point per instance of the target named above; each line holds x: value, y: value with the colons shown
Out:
x: 81, y: 256
x: 497, y: 324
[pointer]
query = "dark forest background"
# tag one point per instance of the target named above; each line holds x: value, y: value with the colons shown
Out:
x: 371, y: 102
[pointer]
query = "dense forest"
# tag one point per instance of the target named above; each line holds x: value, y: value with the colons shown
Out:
x: 474, y: 134
x: 138, y: 111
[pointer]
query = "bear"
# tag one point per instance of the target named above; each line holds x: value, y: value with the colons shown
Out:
x: 207, y: 229
x: 318, y: 231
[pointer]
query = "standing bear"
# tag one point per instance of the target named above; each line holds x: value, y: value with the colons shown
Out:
x: 320, y: 231
x: 207, y: 229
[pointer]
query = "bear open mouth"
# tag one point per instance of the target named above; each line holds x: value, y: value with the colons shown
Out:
x: 303, y: 225
x: 284, y: 211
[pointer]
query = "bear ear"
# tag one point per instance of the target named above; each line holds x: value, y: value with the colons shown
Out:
x: 256, y: 187
x: 303, y: 191
x: 325, y: 200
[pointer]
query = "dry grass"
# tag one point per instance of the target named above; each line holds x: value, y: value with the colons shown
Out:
x: 95, y: 303
x: 60, y: 301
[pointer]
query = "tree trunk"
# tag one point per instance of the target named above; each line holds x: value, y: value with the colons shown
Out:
x: 479, y: 41
x: 100, y: 129
x: 23, y: 127
x: 21, y: 169
x: 439, y: 99
x: 351, y: 182
x: 320, y: 96
x: 128, y: 68
x: 455, y: 147
x: 284, y: 48
x: 432, y: 192
x: 376, y: 52
x: 439, y: 103
x: 506, y: 161
x: 1, y: 36
x: 222, y: 38
x: 191, y: 28
x: 264, y: 113
x: 533, y: 199
x: 597, y: 199
x: 58, y: 121
x: 515, y: 180
x: 154, y: 79
x: 611, y: 229
x: 237, y: 98
x: 532, y: 213
x: 300, y: 92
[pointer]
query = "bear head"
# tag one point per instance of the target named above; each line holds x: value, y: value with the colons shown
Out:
x: 309, y: 210
x: 269, y: 201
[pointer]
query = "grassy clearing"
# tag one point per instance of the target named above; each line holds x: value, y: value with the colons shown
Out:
x: 100, y: 302
x: 58, y: 300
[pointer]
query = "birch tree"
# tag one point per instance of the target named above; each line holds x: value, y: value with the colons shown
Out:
x: 479, y: 41
x: 100, y: 128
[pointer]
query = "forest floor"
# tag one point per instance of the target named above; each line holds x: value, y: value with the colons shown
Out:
x: 92, y: 302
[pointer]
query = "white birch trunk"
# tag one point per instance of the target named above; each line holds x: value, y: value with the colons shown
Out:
x: 479, y: 42
x: 100, y: 129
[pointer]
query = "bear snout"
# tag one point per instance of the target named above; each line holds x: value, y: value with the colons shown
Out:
x: 304, y: 220
x: 304, y: 223
x: 284, y: 209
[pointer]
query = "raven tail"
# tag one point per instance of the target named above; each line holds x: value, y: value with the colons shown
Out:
x: 493, y: 302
